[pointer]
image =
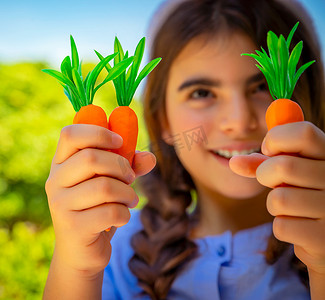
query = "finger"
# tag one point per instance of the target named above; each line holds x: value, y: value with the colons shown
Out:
x: 291, y: 170
x: 99, y: 218
x: 246, y: 165
x: 296, y: 202
x: 303, y: 232
x: 87, y: 163
x: 80, y: 136
x: 97, y: 191
x: 143, y: 163
x: 303, y: 138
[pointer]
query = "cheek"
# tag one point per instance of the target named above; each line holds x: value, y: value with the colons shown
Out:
x: 181, y: 119
x: 260, y: 107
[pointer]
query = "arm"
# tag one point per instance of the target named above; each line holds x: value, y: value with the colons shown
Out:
x: 64, y: 282
x: 88, y: 191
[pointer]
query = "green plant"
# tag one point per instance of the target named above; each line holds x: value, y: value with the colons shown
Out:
x: 128, y: 81
x: 279, y: 67
x: 81, y: 92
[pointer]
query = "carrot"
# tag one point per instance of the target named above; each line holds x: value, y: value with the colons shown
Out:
x: 81, y: 91
x: 124, y: 122
x: 283, y: 111
x: 279, y: 69
x: 91, y: 114
x: 123, y: 119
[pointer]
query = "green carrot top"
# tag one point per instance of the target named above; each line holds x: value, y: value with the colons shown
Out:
x: 128, y: 80
x: 81, y: 91
x: 279, y: 67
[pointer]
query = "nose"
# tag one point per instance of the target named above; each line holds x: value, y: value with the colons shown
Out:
x: 239, y: 118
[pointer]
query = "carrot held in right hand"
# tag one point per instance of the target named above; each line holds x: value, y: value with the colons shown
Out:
x: 123, y: 119
x: 279, y: 69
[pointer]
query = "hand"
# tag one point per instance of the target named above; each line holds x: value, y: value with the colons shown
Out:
x: 297, y: 159
x: 88, y: 191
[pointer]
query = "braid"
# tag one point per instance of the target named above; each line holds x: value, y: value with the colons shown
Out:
x: 162, y: 248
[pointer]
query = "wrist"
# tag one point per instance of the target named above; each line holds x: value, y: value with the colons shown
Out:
x: 84, y: 273
x: 66, y: 282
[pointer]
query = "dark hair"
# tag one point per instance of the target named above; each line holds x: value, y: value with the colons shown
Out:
x: 163, y: 247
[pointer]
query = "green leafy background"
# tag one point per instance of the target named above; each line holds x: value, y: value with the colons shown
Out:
x: 33, y: 110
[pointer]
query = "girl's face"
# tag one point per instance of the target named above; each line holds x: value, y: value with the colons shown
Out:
x: 216, y: 100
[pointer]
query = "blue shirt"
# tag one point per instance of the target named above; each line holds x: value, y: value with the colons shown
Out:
x: 230, y: 266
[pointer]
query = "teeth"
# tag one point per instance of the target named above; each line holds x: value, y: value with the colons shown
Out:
x: 229, y: 154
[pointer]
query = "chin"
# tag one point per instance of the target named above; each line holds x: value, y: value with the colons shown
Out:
x: 241, y: 188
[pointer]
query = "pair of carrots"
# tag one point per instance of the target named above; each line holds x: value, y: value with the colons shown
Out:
x: 80, y: 92
x: 123, y: 121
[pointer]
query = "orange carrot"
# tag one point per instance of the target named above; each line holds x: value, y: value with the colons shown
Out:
x: 91, y: 114
x: 124, y: 122
x: 283, y: 111
x: 123, y: 119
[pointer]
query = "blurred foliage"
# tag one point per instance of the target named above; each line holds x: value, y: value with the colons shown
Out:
x: 25, y: 255
x: 33, y: 110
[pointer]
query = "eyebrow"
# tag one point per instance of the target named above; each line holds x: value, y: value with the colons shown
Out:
x: 216, y: 83
x: 199, y: 81
x: 255, y: 78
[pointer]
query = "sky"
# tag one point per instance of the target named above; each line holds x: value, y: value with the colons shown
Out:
x: 36, y: 30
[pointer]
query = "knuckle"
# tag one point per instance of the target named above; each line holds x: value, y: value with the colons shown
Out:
x: 284, y: 165
x: 57, y: 203
x: 278, y: 228
x: 278, y: 201
x: 48, y: 184
x: 308, y: 131
x: 66, y: 133
x: 104, y: 187
x: 88, y: 156
x: 119, y: 214
x: 101, y: 135
x: 131, y: 194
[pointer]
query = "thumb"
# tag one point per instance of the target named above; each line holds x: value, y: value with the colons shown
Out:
x: 143, y: 162
x: 246, y: 165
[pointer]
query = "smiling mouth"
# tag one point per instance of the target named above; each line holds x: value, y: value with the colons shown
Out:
x: 230, y: 153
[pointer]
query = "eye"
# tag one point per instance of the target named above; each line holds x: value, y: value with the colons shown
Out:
x: 262, y: 87
x: 201, y: 93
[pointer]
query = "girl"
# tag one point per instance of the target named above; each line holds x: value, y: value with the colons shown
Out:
x: 205, y: 232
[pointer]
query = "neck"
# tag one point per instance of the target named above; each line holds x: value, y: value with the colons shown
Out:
x: 218, y: 213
